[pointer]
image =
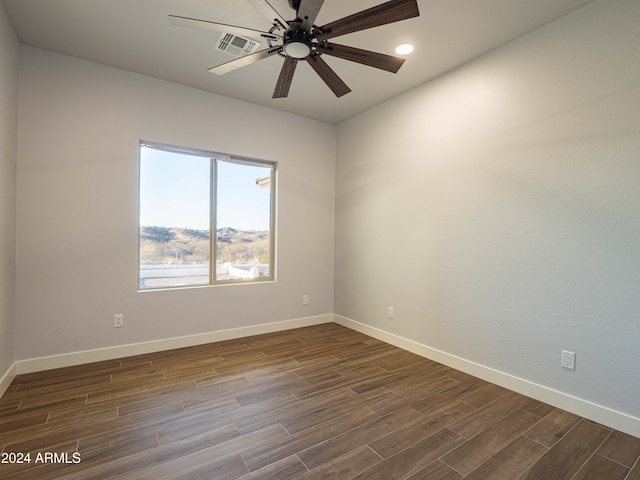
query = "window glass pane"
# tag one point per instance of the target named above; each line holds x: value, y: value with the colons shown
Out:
x: 175, y: 199
x: 180, y: 188
x: 243, y: 221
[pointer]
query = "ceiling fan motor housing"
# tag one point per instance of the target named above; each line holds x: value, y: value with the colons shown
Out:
x: 297, y: 44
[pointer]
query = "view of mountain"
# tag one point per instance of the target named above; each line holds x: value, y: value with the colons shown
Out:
x: 164, y: 245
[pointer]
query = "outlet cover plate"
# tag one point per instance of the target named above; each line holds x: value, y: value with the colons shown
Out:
x: 568, y: 360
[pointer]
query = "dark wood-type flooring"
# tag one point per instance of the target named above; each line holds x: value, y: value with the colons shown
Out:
x: 321, y: 402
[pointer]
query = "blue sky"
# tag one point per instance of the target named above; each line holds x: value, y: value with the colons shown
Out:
x: 175, y: 192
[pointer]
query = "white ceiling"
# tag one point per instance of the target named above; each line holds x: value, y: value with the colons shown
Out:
x: 136, y: 35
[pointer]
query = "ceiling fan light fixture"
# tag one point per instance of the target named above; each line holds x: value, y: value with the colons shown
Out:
x: 296, y: 49
x: 297, y: 45
x: 404, y: 49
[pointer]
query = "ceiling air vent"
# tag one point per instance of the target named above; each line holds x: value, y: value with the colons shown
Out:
x: 236, y: 45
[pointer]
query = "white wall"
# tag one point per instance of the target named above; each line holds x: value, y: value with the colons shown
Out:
x: 8, y: 155
x: 79, y: 127
x: 498, y: 209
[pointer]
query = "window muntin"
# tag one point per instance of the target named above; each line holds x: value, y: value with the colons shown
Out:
x: 187, y: 195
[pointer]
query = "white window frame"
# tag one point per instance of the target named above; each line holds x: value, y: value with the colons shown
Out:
x: 215, y: 158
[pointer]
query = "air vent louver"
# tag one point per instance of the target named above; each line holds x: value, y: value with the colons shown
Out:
x: 236, y: 45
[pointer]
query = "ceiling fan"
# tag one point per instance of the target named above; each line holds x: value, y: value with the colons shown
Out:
x: 300, y: 39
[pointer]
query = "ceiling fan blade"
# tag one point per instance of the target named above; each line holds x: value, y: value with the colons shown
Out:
x: 308, y: 11
x: 333, y: 81
x: 218, y: 27
x: 266, y: 9
x: 389, y: 12
x: 365, y: 57
x: 244, y: 61
x: 285, y: 78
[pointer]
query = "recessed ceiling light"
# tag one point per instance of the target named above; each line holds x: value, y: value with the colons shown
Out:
x: 404, y: 49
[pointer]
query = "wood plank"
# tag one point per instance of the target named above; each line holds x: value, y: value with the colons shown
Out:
x: 601, y: 468
x: 471, y: 454
x: 486, y: 395
x: 17, y: 422
x: 510, y: 462
x: 281, y: 385
x: 415, y: 378
x: 30, y: 390
x: 168, y: 395
x: 39, y: 438
x: 228, y: 469
x: 259, y: 457
x: 413, y: 459
x: 552, y: 427
x: 85, y: 413
x: 436, y: 471
x: 347, y: 466
x: 415, y: 397
x: 488, y: 415
x: 182, y: 458
x: 252, y: 417
x: 125, y: 447
x: 337, y: 446
x: 185, y: 427
x: 123, y: 389
x: 285, y: 469
x: 318, y: 367
x: 315, y: 411
x: 449, y: 395
x: 8, y: 406
x: 635, y: 473
x: 418, y: 430
x: 621, y: 448
x: 538, y: 408
x: 53, y: 401
x: 566, y: 457
x: 320, y: 387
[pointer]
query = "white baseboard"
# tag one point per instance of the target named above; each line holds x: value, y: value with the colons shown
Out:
x: 7, y: 378
x: 584, y: 408
x: 110, y: 353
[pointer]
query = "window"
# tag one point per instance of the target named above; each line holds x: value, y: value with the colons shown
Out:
x: 204, y: 218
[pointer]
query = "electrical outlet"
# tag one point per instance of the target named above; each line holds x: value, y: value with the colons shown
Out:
x: 118, y: 320
x: 305, y: 299
x: 568, y: 360
x: 391, y: 312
